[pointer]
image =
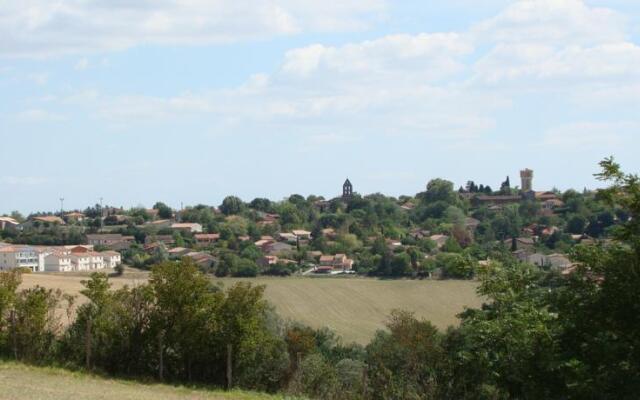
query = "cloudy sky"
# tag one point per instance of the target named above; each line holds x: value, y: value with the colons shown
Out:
x: 190, y: 100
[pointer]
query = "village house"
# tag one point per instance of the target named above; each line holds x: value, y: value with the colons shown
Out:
x: 440, y: 240
x: 276, y: 248
x: 190, y: 227
x: 111, y: 259
x: 552, y: 261
x: 74, y: 216
x: 287, y: 237
x: 329, y: 233
x: 113, y: 241
x: 159, y: 224
x: 267, y: 219
x: 20, y: 256
x: 167, y: 240
x: 150, y: 247
x: 58, y: 261
x: 206, y: 239
x: 301, y: 234
x: 49, y: 219
x: 521, y: 243
x: 264, y: 243
x: 8, y: 223
x: 499, y: 200
x: 178, y: 252
x: 408, y: 206
x: 203, y: 260
x: 87, y: 261
x: 152, y: 213
x: 267, y: 261
x: 338, y: 262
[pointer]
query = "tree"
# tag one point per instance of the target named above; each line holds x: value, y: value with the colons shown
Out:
x: 231, y: 205
x: 455, y: 265
x: 405, y: 362
x: 576, y: 224
x: 439, y: 190
x: 401, y: 265
x: 505, y: 187
x: 164, y: 211
x: 261, y: 204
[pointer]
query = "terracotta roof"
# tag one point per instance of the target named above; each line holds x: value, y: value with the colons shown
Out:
x: 207, y: 236
x: 74, y: 214
x: 185, y: 225
x: 49, y: 218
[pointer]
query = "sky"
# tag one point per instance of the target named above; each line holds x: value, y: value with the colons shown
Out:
x: 186, y: 102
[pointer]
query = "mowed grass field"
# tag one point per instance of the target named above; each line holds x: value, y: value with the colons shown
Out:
x: 353, y: 307
x: 24, y: 382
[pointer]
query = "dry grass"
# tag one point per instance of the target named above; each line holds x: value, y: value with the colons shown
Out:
x: 354, y: 307
x: 23, y: 382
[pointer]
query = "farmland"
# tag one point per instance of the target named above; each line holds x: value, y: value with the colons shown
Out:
x: 353, y: 307
x: 24, y: 382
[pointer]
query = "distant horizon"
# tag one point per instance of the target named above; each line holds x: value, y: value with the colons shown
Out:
x: 143, y: 101
x: 515, y: 183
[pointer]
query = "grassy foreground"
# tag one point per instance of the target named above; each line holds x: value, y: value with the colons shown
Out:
x: 19, y: 381
x: 353, y: 307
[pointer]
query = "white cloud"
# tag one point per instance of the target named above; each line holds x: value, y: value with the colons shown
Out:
x: 565, y: 22
x: 449, y: 85
x: 434, y: 55
x: 579, y: 136
x: 82, y: 64
x: 39, y: 115
x: 42, y: 27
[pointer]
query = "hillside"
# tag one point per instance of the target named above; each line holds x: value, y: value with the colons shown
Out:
x: 354, y: 308
x: 24, y: 382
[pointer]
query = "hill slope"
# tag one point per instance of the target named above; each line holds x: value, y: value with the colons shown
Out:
x: 24, y: 382
x: 354, y: 307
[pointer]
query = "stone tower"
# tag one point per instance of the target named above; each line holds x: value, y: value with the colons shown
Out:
x: 347, y: 189
x: 526, y: 176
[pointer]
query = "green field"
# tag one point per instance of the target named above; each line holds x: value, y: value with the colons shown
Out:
x: 354, y: 307
x: 24, y: 382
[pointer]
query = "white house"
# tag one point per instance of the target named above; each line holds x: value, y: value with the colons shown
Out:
x: 111, y: 259
x: 12, y: 257
x: 58, y: 262
x: 187, y: 227
x: 302, y: 234
x: 8, y: 223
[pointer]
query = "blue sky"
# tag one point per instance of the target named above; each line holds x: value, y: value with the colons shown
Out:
x: 138, y: 101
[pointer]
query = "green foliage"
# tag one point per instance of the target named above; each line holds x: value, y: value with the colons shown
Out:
x: 455, y: 265
x: 405, y: 362
x: 232, y: 205
x: 164, y: 211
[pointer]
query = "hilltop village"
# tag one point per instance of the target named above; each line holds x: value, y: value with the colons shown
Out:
x: 439, y: 233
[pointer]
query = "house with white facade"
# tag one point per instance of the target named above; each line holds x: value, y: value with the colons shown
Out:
x: 8, y: 223
x: 190, y: 227
x: 20, y: 256
x: 87, y: 261
x: 111, y: 259
x: 59, y: 261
